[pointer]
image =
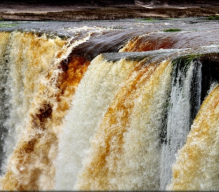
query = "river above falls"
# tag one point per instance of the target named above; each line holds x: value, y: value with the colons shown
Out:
x: 192, y: 32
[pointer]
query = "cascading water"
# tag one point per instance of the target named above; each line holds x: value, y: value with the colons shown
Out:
x: 179, y: 114
x: 27, y: 59
x: 73, y: 117
x: 90, y: 102
x: 4, y: 108
x: 197, y: 165
x: 110, y: 148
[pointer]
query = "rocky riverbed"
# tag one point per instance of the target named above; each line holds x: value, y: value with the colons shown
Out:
x: 103, y: 10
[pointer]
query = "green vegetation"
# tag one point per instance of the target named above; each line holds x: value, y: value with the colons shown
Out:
x: 172, y: 30
x: 149, y: 19
x: 181, y: 65
x: 213, y: 17
x: 186, y: 59
x: 171, y: 18
x: 152, y: 19
x: 189, y: 58
x: 117, y: 27
x: 5, y: 25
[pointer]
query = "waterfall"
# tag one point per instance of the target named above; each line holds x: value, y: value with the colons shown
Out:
x: 4, y: 107
x: 32, y: 158
x: 28, y: 58
x: 125, y: 147
x: 179, y: 114
x: 87, y: 112
x: 95, y: 92
x: 196, y: 167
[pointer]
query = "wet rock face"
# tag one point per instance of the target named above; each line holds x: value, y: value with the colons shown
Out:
x: 210, y: 70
